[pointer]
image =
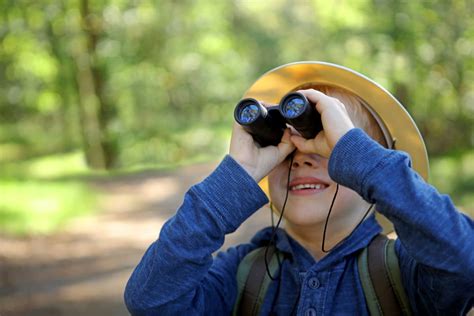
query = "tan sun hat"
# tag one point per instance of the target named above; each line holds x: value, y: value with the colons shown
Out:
x: 396, y: 124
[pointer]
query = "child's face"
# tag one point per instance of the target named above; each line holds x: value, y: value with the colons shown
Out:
x: 311, y: 193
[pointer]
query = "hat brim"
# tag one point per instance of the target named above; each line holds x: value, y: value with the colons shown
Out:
x: 396, y: 124
x: 398, y: 127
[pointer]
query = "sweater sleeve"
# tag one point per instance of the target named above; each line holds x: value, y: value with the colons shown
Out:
x: 177, y: 274
x: 436, y: 241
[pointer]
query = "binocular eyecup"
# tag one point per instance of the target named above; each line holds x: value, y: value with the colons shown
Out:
x: 267, y: 124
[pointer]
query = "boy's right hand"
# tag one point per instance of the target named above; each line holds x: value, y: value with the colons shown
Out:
x: 258, y: 161
x: 336, y: 123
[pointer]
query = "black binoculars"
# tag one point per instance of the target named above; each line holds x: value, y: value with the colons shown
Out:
x: 267, y: 124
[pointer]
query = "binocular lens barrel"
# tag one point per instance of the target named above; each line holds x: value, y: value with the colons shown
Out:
x: 265, y: 124
x: 301, y: 114
x: 247, y: 111
x: 293, y: 106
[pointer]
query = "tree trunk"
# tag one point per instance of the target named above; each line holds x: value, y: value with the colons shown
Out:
x: 95, y: 111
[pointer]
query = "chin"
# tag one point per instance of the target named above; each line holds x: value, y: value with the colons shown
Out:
x: 304, y: 217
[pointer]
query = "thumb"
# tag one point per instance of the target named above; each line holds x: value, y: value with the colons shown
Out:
x: 286, y: 146
x: 318, y: 145
x: 304, y: 145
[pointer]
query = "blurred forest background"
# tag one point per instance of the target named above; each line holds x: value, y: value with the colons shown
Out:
x: 106, y: 87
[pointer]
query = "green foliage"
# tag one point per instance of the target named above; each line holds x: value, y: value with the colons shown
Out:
x: 40, y: 207
x: 147, y: 83
x: 45, y: 167
x: 159, y: 65
x: 454, y: 175
x: 37, y: 197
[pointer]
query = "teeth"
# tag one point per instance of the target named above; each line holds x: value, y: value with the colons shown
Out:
x: 307, y: 186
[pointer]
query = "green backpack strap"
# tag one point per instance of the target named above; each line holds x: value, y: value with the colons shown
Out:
x: 253, y: 281
x: 380, y: 276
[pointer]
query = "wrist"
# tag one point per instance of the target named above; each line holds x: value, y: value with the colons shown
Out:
x: 249, y: 168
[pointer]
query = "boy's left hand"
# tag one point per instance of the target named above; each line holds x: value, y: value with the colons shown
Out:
x: 336, y: 123
x: 258, y: 161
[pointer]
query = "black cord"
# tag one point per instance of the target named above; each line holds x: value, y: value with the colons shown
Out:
x: 271, y: 214
x: 327, y: 220
x: 275, y: 228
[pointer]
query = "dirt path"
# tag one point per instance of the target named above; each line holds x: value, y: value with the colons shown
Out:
x: 83, y: 270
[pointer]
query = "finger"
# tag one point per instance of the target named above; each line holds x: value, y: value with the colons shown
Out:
x: 236, y: 127
x: 317, y: 145
x: 306, y: 146
x: 286, y: 146
x: 239, y: 131
x: 314, y: 96
x: 321, y: 144
x: 286, y: 136
x: 240, y: 139
x: 293, y: 131
x: 321, y: 100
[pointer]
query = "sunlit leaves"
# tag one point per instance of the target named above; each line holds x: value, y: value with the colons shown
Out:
x: 168, y: 64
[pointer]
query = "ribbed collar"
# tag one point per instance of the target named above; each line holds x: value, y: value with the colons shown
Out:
x: 358, y: 239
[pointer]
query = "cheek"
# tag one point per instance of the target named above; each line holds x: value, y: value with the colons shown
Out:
x: 275, y: 186
x: 347, y: 200
x: 276, y: 178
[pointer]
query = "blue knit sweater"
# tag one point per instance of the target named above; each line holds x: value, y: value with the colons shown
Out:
x: 179, y: 276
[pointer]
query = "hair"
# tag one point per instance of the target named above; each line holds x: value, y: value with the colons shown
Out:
x: 356, y: 108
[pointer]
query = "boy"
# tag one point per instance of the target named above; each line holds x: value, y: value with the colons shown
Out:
x: 342, y: 171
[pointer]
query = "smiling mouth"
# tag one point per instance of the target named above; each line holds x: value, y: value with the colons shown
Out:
x: 308, y: 186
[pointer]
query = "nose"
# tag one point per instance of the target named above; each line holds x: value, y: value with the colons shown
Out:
x: 301, y: 159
